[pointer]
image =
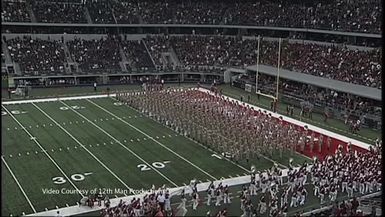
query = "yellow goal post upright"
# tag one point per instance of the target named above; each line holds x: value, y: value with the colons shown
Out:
x: 275, y: 98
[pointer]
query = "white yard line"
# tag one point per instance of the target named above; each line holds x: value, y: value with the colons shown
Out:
x: 44, y: 151
x: 77, y: 141
x: 156, y: 141
x: 18, y: 184
x: 117, y: 141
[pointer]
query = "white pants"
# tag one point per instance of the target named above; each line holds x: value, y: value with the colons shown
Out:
x: 350, y: 191
x: 293, y: 202
x: 303, y: 198
x: 218, y: 202
x: 209, y: 198
x: 195, y: 204
x: 226, y: 198
x: 362, y: 188
x: 253, y: 189
x: 344, y: 186
x: 316, y: 190
x: 322, y: 196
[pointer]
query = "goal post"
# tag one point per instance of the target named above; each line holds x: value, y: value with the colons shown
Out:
x: 271, y: 96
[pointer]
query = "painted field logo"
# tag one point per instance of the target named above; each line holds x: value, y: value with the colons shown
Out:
x: 14, y: 112
x: 74, y: 107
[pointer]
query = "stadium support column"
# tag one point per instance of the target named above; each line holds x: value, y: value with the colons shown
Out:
x: 256, y: 77
x: 278, y: 67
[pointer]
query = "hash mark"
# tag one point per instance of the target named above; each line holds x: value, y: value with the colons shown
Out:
x: 138, y: 140
x: 125, y: 140
x: 245, y: 174
x: 67, y: 205
x: 238, y: 175
x: 76, y: 147
x: 112, y: 118
x: 144, y: 139
x: 230, y: 176
x: 111, y: 142
x: 184, y: 184
x: 19, y: 154
x: 97, y: 144
x: 7, y: 128
x: 35, y: 152
x: 104, y: 143
x: 51, y: 125
x: 27, y: 153
x: 70, y: 122
x: 37, y: 126
x: 59, y: 149
x: 46, y: 209
x: 164, y: 136
x: 43, y: 125
x: 10, y: 155
x: 52, y: 150
x: 208, y: 180
x: 169, y: 135
x: 90, y: 145
x: 15, y: 128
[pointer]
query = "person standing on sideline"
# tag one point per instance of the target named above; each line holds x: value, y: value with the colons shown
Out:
x: 95, y: 86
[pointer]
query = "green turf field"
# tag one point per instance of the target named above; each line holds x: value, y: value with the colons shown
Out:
x: 54, y: 152
x: 79, y: 145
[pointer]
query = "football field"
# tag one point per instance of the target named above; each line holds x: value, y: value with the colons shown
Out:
x: 56, y: 152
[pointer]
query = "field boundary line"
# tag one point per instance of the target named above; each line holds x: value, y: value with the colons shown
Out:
x: 18, y: 184
x: 117, y: 141
x: 44, y: 151
x: 156, y: 141
x: 89, y: 152
x: 209, y: 149
x: 297, y: 122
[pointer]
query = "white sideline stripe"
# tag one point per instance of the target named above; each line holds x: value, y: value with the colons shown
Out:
x: 117, y: 141
x: 45, y: 152
x: 148, y: 136
x: 300, y: 123
x: 18, y: 184
x: 81, y: 145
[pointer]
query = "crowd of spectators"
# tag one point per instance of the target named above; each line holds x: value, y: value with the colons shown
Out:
x: 125, y: 11
x: 339, y: 15
x: 100, y: 11
x: 50, y: 12
x: 136, y: 52
x: 14, y: 11
x: 329, y: 61
x: 156, y: 46
x: 96, y: 54
x: 362, y: 67
x: 37, y: 54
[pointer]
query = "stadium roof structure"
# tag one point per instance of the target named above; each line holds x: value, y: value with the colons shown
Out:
x: 359, y: 90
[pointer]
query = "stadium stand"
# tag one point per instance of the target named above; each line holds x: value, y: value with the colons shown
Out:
x: 136, y: 52
x: 100, y: 12
x: 36, y: 55
x: 14, y: 11
x: 53, y: 12
x: 362, y: 67
x: 96, y: 54
x: 340, y: 15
